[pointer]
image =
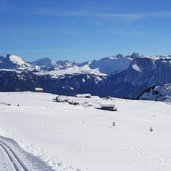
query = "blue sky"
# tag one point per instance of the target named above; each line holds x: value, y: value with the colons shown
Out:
x: 84, y: 30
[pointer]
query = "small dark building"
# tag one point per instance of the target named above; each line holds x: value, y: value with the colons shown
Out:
x: 110, y: 107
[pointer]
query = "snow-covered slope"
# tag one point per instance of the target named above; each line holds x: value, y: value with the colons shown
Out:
x: 142, y: 73
x: 111, y: 65
x: 44, y: 63
x: 83, y: 138
x: 107, y: 66
x: 65, y: 63
x: 16, y: 62
x: 158, y: 93
x: 71, y: 71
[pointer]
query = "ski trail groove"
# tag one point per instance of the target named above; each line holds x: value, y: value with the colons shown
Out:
x: 14, y: 159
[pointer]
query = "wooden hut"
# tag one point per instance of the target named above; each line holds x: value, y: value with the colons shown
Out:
x: 110, y: 107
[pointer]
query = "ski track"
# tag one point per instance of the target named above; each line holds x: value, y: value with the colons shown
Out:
x: 14, y: 158
x: 11, y: 160
x: 5, y: 163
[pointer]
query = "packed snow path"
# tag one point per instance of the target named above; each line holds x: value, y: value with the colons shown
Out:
x: 9, y: 160
x: 14, y: 158
x: 5, y: 162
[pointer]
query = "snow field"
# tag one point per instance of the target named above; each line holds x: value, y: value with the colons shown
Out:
x: 69, y: 137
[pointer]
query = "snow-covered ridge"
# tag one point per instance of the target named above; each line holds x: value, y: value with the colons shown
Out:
x: 17, y: 60
x: 71, y: 70
x: 112, y: 64
x: 117, y: 76
x: 107, y: 66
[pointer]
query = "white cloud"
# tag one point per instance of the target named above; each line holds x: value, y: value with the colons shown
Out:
x: 121, y: 16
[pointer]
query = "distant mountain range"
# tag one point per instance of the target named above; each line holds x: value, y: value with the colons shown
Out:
x: 118, y: 76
